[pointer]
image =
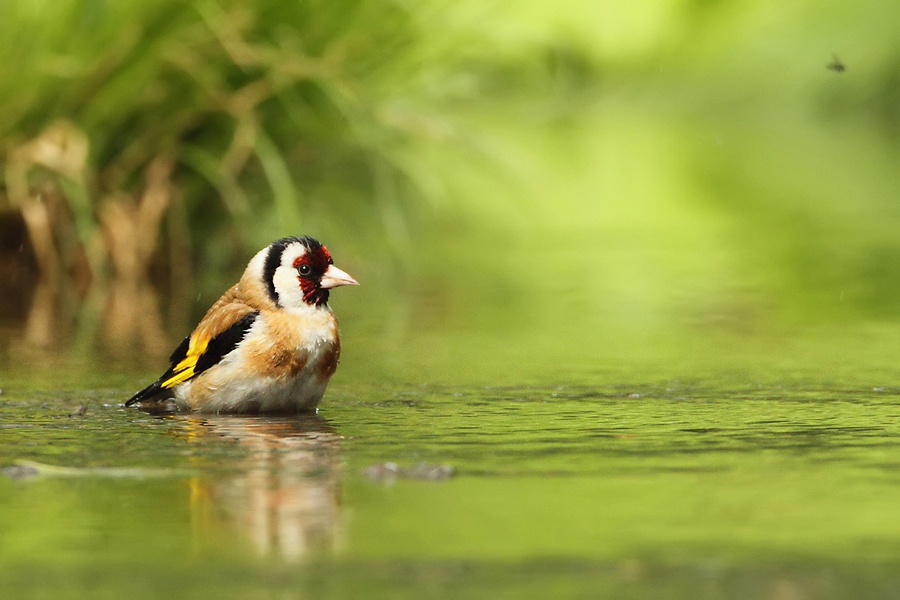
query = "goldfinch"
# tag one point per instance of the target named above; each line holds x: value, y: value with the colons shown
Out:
x: 269, y: 344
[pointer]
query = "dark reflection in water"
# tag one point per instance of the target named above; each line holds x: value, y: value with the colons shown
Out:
x: 284, y: 496
x: 128, y: 318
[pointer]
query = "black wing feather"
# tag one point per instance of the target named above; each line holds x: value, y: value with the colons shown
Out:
x: 224, y: 343
x: 218, y: 347
x: 180, y: 352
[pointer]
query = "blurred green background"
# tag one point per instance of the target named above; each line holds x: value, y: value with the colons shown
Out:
x: 632, y: 268
x: 579, y: 185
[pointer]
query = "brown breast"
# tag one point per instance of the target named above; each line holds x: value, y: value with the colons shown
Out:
x: 291, y: 341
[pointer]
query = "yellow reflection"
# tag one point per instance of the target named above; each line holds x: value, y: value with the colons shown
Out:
x: 284, y: 498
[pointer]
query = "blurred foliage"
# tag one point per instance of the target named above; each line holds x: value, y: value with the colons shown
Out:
x: 634, y: 179
x: 281, y: 117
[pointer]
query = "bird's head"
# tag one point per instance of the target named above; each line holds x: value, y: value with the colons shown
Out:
x: 298, y: 272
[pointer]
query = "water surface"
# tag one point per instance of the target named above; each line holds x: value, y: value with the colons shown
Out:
x: 568, y: 489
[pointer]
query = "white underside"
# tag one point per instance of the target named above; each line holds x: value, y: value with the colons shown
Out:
x: 241, y: 395
x: 229, y: 386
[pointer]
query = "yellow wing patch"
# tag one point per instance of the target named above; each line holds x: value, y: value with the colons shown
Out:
x: 184, y: 370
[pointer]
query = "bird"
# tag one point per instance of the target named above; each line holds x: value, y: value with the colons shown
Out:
x: 269, y: 344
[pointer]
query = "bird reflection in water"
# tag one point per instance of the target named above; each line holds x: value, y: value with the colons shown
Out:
x: 285, y: 497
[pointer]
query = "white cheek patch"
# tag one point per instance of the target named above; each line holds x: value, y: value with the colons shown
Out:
x: 287, y: 285
x: 286, y: 278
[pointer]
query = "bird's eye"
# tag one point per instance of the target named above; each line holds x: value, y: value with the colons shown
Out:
x: 304, y: 269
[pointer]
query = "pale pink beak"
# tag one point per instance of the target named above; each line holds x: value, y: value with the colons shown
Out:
x: 334, y: 277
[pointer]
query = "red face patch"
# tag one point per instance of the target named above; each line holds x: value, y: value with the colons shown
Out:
x: 318, y: 259
x: 310, y: 268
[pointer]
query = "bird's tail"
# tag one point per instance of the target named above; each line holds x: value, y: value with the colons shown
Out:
x: 152, y: 392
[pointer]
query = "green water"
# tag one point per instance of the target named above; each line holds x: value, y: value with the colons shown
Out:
x: 717, y: 487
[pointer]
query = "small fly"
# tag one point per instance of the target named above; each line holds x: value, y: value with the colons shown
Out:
x: 836, y: 65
